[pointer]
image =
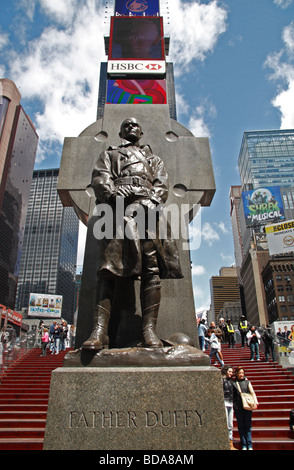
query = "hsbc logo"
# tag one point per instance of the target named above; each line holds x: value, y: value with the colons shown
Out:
x: 136, y: 66
x: 154, y: 66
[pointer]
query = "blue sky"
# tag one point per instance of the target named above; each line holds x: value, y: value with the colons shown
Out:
x: 234, y: 72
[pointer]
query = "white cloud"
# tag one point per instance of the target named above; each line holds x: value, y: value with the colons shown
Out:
x: 283, y: 3
x: 198, y: 270
x: 282, y: 65
x: 60, y: 69
x: 221, y: 225
x: 209, y: 234
x: 3, y: 40
x: 194, y: 30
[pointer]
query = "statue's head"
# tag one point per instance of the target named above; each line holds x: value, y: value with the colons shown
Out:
x: 131, y: 130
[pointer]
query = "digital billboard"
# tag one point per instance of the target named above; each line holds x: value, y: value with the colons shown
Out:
x: 136, y: 92
x: 45, y: 305
x: 136, y: 38
x: 136, y: 67
x: 263, y: 206
x: 136, y: 7
x: 280, y: 237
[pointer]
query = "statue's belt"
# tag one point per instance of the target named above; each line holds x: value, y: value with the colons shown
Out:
x: 133, y: 180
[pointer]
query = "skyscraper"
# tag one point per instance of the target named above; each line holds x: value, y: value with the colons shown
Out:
x: 48, y: 261
x: 267, y: 159
x: 18, y: 146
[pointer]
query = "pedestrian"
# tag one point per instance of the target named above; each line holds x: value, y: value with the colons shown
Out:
x: 202, y: 329
x: 57, y: 335
x: 51, y: 335
x: 215, y: 346
x: 243, y: 416
x: 269, y: 345
x: 63, y: 335
x: 231, y: 334
x: 243, y: 328
x: 223, y: 328
x: 219, y: 334
x: 253, y: 339
x: 227, y: 374
x: 44, y: 342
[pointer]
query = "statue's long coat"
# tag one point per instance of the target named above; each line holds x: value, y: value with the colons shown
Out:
x: 123, y: 256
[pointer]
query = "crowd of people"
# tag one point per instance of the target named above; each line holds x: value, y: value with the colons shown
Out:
x: 224, y: 332
x: 56, y: 338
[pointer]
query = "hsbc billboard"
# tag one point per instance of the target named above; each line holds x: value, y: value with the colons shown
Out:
x: 154, y: 67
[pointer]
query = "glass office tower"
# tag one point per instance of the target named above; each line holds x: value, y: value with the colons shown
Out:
x: 267, y: 159
x: 48, y: 261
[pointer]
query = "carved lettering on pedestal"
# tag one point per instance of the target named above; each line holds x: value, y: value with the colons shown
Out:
x: 132, y: 419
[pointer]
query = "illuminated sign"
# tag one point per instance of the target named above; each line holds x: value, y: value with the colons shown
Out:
x: 136, y: 91
x: 136, y: 38
x: 45, y: 305
x: 154, y: 67
x: 263, y: 206
x: 136, y: 8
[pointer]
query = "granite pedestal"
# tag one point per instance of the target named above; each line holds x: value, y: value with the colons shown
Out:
x: 136, y: 408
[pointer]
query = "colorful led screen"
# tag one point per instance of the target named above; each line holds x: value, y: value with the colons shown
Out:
x: 136, y: 92
x: 136, y: 38
x: 137, y: 7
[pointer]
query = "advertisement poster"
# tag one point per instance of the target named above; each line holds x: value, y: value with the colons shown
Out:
x: 45, y: 305
x: 136, y: 38
x: 136, y: 92
x: 136, y: 8
x: 284, y: 331
x: 263, y: 206
x: 280, y: 237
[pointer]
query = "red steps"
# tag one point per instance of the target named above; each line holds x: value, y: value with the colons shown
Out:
x: 274, y: 387
x: 24, y: 394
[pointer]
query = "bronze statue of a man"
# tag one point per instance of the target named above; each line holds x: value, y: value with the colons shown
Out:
x: 138, y: 177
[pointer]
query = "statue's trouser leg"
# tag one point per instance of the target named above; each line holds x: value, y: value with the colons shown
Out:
x: 150, y: 295
x: 99, y: 337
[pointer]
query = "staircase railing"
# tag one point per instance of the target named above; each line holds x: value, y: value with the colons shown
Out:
x: 14, y: 350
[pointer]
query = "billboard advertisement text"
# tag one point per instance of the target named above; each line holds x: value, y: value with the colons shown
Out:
x: 263, y: 206
x: 45, y: 305
x: 280, y: 237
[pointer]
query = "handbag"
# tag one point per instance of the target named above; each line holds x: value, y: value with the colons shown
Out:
x: 247, y: 399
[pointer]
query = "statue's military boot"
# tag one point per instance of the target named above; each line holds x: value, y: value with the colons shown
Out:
x: 150, y: 298
x: 150, y: 338
x: 99, y: 337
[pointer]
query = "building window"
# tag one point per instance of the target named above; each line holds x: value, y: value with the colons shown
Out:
x: 281, y: 298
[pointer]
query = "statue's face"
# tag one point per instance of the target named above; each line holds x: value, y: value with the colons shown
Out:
x: 131, y: 130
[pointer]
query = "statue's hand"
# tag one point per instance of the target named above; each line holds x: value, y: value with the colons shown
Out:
x: 148, y: 203
x: 124, y: 191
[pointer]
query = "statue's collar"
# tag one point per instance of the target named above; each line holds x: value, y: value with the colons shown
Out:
x: 127, y: 143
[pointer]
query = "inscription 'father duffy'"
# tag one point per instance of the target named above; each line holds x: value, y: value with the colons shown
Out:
x: 131, y: 419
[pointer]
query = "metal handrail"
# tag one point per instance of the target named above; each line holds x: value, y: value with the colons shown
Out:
x: 11, y: 351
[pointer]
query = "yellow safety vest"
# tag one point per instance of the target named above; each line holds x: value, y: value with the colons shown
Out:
x: 244, y: 326
x: 230, y: 328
